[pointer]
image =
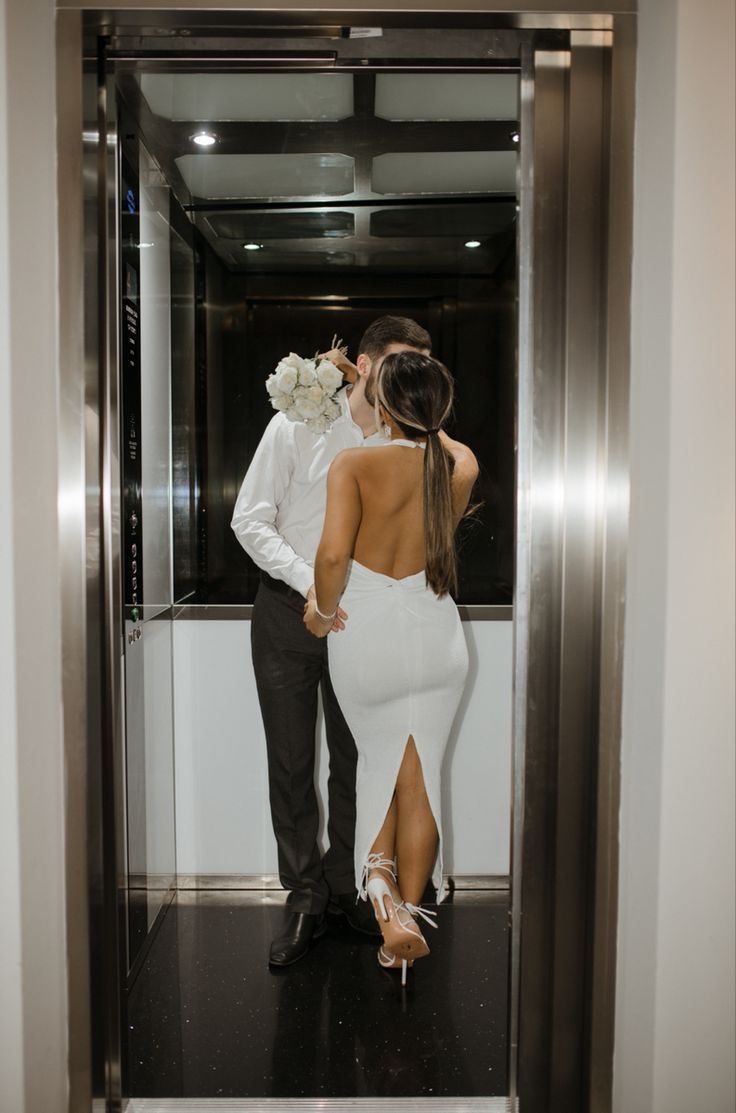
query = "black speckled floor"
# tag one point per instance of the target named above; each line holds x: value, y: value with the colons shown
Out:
x: 207, y: 1018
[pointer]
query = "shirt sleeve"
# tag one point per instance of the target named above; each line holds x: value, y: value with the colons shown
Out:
x: 256, y: 508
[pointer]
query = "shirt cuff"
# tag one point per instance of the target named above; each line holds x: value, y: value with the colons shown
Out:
x: 301, y: 579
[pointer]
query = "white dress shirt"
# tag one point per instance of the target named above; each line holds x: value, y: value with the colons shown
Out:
x: 280, y: 508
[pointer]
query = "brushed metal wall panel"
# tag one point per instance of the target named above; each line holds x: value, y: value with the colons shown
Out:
x: 539, y: 538
x: 562, y: 576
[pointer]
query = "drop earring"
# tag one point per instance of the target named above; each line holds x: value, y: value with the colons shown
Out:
x: 387, y: 430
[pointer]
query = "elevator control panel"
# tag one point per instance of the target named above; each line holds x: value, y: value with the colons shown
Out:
x: 130, y: 384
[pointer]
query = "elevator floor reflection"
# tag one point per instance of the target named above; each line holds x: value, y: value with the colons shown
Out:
x: 207, y: 1018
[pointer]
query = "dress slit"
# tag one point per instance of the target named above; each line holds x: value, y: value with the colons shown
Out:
x: 437, y: 874
x: 361, y: 855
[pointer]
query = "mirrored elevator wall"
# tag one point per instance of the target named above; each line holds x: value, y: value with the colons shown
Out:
x: 223, y: 820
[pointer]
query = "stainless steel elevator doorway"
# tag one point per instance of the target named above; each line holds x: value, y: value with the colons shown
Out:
x: 572, y: 249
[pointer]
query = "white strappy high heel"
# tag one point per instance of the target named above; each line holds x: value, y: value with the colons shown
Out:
x: 377, y: 887
x: 401, y: 934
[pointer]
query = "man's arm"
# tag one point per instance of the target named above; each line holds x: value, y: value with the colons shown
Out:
x: 256, y: 507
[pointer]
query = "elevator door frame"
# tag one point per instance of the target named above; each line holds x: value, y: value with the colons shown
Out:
x: 570, y: 550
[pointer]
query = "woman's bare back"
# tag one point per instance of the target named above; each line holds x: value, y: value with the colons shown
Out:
x: 390, y: 537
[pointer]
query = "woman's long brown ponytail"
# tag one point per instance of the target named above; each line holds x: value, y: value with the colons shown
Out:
x: 439, y: 518
x: 417, y: 391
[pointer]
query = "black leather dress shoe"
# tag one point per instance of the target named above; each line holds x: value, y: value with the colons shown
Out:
x: 359, y: 914
x: 300, y: 931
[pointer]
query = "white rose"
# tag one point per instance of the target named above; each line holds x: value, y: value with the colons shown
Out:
x: 271, y: 385
x: 314, y: 393
x: 306, y: 408
x: 328, y: 375
x: 286, y: 377
x: 306, y: 373
x: 319, y: 425
x: 293, y: 360
x: 281, y: 401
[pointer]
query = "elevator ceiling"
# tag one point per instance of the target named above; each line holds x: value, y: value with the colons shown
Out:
x: 388, y: 171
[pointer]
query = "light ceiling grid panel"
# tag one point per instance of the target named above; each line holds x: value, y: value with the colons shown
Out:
x: 422, y: 173
x: 447, y: 96
x: 239, y: 177
x: 249, y: 97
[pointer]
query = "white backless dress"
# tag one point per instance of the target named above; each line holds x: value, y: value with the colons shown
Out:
x: 398, y: 669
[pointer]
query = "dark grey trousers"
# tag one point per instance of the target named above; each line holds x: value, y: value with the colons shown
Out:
x: 290, y: 664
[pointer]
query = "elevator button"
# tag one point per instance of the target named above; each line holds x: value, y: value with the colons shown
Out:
x: 134, y: 614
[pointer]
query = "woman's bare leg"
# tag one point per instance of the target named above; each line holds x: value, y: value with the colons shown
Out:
x: 385, y: 845
x: 416, y: 834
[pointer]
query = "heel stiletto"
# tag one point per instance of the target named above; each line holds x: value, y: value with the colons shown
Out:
x: 394, y: 962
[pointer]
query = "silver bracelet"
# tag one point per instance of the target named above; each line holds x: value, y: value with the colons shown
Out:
x: 326, y: 617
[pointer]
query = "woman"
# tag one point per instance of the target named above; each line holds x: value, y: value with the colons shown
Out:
x: 399, y: 665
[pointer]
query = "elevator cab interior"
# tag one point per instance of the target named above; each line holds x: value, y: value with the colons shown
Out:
x: 255, y: 186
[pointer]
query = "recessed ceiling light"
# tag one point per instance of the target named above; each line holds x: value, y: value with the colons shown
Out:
x: 204, y: 138
x: 472, y: 243
x: 252, y: 246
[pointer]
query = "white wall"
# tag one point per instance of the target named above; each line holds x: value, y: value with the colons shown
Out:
x: 33, y: 1009
x: 222, y: 815
x: 156, y: 694
x: 675, y: 1030
x: 222, y: 823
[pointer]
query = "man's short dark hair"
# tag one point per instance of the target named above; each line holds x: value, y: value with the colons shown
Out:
x: 393, y: 330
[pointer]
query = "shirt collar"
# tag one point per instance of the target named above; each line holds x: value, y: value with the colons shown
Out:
x: 345, y: 412
x: 342, y: 399
x: 346, y: 415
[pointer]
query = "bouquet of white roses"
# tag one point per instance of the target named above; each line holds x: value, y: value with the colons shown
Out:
x: 303, y: 389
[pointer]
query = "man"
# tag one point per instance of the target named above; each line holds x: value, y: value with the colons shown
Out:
x: 278, y: 520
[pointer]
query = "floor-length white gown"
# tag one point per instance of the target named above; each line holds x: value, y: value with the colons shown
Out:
x: 398, y: 669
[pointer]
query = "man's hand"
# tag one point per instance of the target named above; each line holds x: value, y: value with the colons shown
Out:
x: 311, y: 616
x: 342, y: 363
